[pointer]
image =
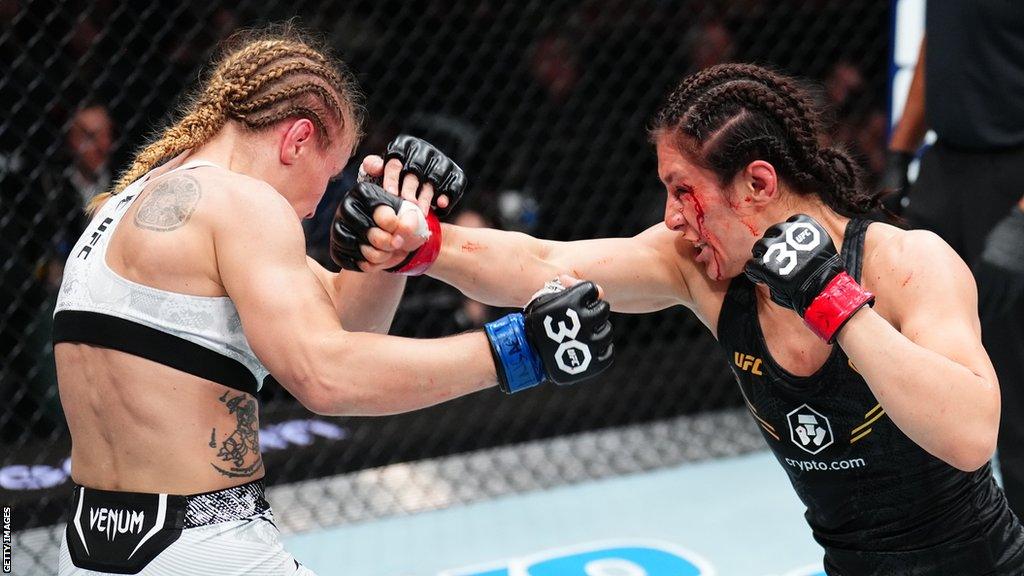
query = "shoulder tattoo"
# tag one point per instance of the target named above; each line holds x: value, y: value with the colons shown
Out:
x: 169, y: 204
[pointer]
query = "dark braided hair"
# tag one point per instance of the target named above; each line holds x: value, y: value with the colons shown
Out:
x: 729, y: 115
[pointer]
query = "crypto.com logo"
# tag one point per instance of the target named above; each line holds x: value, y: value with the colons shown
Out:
x: 809, y: 429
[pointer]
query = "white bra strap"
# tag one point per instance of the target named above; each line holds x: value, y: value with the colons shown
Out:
x: 193, y: 164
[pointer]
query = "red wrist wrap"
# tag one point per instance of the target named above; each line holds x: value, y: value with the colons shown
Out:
x: 830, y: 309
x: 418, y: 262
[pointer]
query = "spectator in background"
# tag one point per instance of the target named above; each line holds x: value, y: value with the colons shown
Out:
x: 967, y: 87
x: 711, y: 44
x: 859, y: 124
x: 844, y: 87
x: 58, y: 217
x: 90, y: 140
x: 88, y: 151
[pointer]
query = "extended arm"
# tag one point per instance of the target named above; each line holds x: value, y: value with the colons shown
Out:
x: 290, y: 323
x: 638, y: 274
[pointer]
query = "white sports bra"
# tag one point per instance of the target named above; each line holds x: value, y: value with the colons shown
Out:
x: 201, y: 335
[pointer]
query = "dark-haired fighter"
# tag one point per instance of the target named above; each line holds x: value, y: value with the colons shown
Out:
x: 884, y: 416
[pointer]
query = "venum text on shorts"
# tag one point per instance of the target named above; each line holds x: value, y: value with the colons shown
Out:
x: 808, y: 465
x: 114, y: 521
x: 7, y: 539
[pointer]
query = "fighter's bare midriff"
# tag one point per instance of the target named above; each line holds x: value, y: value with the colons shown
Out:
x: 140, y: 426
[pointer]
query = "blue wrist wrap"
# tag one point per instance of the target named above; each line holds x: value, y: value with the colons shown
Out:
x: 519, y: 366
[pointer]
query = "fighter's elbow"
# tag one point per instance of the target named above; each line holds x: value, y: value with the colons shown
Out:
x: 305, y: 376
x: 310, y: 389
x: 341, y: 396
x: 972, y: 451
x: 320, y: 402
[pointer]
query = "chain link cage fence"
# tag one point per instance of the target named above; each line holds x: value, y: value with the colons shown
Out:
x: 544, y: 103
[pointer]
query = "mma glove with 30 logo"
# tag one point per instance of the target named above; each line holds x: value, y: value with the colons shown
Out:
x: 798, y: 262
x: 562, y: 336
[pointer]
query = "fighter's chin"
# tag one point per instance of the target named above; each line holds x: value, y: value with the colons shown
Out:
x: 715, y: 271
x: 711, y: 269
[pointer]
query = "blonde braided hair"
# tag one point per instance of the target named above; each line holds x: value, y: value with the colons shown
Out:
x: 263, y: 77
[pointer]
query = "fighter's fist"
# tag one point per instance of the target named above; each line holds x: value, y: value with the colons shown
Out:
x: 562, y: 336
x: 798, y: 262
x: 571, y: 331
x: 354, y: 228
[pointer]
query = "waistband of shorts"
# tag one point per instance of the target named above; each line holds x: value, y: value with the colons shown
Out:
x: 203, y: 509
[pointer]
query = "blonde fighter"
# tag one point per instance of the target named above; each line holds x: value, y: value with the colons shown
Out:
x: 190, y: 285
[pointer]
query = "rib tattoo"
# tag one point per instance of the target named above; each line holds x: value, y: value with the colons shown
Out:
x: 244, y: 442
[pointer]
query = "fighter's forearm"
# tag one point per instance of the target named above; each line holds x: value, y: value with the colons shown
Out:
x: 370, y: 374
x: 367, y: 302
x: 494, y: 267
x: 938, y: 403
x: 363, y: 302
x: 373, y: 375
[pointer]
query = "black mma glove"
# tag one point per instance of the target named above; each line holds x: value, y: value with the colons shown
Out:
x: 800, y: 265
x: 429, y: 164
x: 896, y: 179
x: 562, y: 336
x: 353, y: 220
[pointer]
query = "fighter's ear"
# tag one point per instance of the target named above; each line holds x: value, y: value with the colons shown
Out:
x: 759, y: 182
x: 296, y: 139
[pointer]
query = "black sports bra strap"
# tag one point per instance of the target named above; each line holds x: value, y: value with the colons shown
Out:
x: 853, y: 246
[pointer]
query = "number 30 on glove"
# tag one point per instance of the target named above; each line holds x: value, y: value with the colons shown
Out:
x: 562, y: 336
x: 798, y: 262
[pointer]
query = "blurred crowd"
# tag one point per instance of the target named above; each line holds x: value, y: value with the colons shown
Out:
x: 544, y: 104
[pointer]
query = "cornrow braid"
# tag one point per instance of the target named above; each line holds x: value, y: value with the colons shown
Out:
x: 708, y: 78
x: 263, y: 77
x: 753, y: 96
x: 729, y: 115
x: 287, y: 91
x: 293, y: 112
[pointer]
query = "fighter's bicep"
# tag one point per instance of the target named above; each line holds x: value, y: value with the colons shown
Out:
x: 279, y: 299
x: 936, y: 301
x: 638, y: 274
